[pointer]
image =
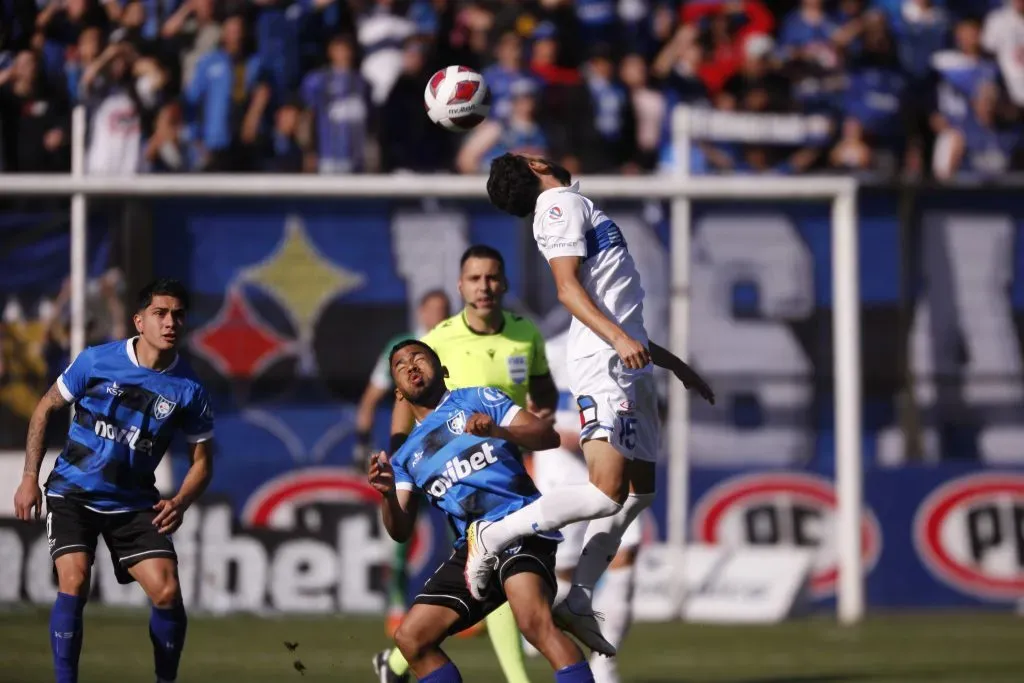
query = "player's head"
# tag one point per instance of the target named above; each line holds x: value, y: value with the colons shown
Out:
x: 516, y: 180
x: 417, y: 373
x: 434, y: 307
x: 160, y: 313
x: 482, y: 282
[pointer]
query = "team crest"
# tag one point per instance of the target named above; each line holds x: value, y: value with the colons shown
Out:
x: 555, y: 213
x: 457, y: 423
x: 163, y: 408
x: 517, y: 369
x: 492, y: 397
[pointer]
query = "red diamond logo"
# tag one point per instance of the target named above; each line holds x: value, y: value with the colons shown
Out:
x: 236, y: 341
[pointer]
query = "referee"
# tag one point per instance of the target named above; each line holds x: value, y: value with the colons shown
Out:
x: 483, y: 345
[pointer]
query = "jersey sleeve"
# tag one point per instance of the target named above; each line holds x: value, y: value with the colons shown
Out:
x: 403, y: 480
x: 73, y: 381
x: 539, y: 362
x: 497, y: 404
x: 198, y: 423
x: 562, y: 228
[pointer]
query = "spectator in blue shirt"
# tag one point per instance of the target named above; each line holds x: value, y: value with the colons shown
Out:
x: 228, y: 96
x: 285, y: 154
x: 921, y: 30
x: 960, y: 72
x: 806, y: 36
x: 277, y: 27
x: 981, y: 146
x: 506, y: 71
x: 338, y: 99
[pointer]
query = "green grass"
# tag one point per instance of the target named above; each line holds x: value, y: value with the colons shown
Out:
x: 915, y: 648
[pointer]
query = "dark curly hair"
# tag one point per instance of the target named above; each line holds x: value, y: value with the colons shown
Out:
x: 512, y: 185
x: 162, y: 287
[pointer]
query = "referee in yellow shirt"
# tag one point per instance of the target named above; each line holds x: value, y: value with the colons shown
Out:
x: 483, y: 345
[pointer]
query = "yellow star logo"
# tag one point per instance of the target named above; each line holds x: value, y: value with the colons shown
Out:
x: 301, y: 278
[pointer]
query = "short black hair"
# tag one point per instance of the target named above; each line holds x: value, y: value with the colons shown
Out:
x: 483, y: 251
x: 412, y: 342
x: 164, y: 286
x: 438, y: 293
x: 512, y: 185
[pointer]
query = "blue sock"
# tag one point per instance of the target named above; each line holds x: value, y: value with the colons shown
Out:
x: 66, y: 636
x: 446, y: 674
x: 577, y: 673
x: 167, y: 633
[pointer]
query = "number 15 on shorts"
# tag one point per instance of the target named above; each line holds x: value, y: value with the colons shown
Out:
x: 627, y: 432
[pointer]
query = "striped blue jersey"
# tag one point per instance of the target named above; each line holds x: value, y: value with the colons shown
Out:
x: 467, y: 477
x: 125, y: 418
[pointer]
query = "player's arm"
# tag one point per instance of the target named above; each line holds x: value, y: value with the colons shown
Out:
x: 574, y: 297
x: 664, y: 358
x: 171, y: 512
x: 402, y: 421
x: 398, y: 506
x: 523, y: 429
x: 543, y: 394
x: 28, y: 499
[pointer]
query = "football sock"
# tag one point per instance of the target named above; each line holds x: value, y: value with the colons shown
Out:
x: 66, y: 636
x: 167, y: 633
x: 446, y: 674
x: 397, y: 663
x: 563, y: 590
x: 600, y: 545
x: 399, y: 579
x: 549, y: 512
x: 614, y: 599
x: 576, y: 673
x: 507, y: 643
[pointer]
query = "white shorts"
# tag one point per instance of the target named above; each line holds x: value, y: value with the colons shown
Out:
x: 556, y: 469
x: 617, y: 404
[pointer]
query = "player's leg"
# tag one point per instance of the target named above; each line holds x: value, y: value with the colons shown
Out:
x: 614, y: 599
x: 141, y: 553
x: 442, y: 608
x: 71, y: 532
x: 398, y: 584
x: 528, y: 584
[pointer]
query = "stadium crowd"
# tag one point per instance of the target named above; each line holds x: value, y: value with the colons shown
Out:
x: 913, y: 88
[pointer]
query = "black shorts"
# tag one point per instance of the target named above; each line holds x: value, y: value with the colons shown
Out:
x: 447, y: 586
x: 130, y: 536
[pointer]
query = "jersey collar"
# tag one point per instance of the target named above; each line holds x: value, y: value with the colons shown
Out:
x: 440, y: 403
x: 465, y: 322
x: 548, y: 195
x: 130, y: 347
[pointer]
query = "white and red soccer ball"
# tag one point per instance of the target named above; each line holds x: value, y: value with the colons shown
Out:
x: 457, y: 98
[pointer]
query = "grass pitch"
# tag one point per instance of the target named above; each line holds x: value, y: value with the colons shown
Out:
x: 942, y: 647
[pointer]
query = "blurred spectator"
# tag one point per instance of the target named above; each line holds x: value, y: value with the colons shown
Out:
x: 722, y: 28
x: 115, y: 128
x: 286, y: 153
x: 229, y: 94
x: 648, y: 106
x: 166, y: 150
x: 1003, y: 36
x: 194, y: 31
x: 412, y: 143
x: 757, y: 86
x: 806, y: 36
x: 276, y: 29
x: 612, y: 123
x: 981, y: 145
x: 382, y: 32
x: 520, y: 133
x: 506, y: 70
x: 338, y: 101
x: 90, y: 44
x: 852, y: 152
x: 960, y: 72
x: 35, y: 119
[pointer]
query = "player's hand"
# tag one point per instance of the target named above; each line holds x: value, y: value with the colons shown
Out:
x: 28, y: 499
x: 694, y: 382
x: 480, y: 424
x: 381, y: 475
x: 633, y: 354
x: 546, y: 415
x: 170, y: 514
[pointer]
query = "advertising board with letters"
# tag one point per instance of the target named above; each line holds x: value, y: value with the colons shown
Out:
x: 288, y: 322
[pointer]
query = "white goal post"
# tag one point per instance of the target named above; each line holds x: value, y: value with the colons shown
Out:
x: 680, y: 190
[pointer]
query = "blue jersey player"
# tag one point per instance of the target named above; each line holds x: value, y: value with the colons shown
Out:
x: 131, y: 397
x: 463, y: 455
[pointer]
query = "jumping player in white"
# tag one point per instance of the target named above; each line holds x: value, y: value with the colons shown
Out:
x: 610, y: 374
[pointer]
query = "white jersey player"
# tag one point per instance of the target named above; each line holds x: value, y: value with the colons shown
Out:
x: 564, y: 466
x: 609, y: 357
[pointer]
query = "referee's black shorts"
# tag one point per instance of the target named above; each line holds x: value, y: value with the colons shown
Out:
x: 130, y: 536
x: 447, y: 586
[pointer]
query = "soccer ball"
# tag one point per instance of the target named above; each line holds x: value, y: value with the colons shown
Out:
x: 457, y: 98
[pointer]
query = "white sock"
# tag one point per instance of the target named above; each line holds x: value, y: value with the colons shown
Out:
x: 563, y: 590
x: 614, y: 599
x: 600, y: 545
x: 549, y: 512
